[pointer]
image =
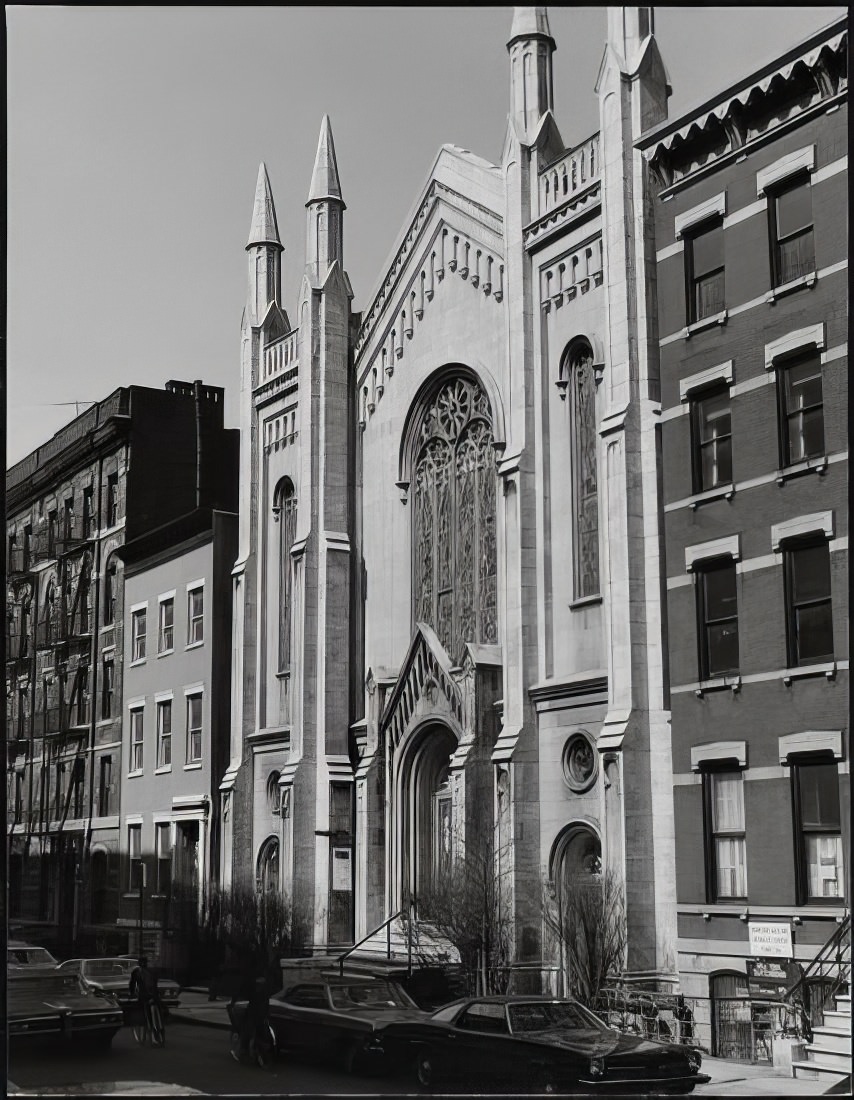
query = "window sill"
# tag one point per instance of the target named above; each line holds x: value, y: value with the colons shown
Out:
x: 165, y: 652
x: 135, y: 775
x: 802, y: 672
x: 781, y: 291
x: 719, y: 683
x: 164, y: 770
x: 720, y: 492
x: 138, y: 661
x: 585, y: 601
x: 707, y: 322
x: 817, y: 465
x: 193, y: 767
x: 194, y: 645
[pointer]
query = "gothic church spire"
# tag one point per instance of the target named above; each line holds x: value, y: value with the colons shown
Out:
x: 531, y: 92
x: 324, y: 179
x: 324, y: 244
x: 264, y: 229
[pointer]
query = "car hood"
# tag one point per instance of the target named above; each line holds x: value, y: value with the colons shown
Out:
x: 616, y: 1046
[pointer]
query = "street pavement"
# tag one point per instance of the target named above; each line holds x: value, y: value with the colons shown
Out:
x: 197, y: 1060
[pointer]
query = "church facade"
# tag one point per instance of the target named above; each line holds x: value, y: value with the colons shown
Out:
x: 448, y: 593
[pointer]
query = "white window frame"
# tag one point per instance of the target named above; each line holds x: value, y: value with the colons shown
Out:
x: 189, y: 694
x: 134, y: 828
x: 192, y: 589
x: 159, y: 700
x: 162, y: 600
x: 134, y: 710
x: 161, y: 827
x: 135, y: 611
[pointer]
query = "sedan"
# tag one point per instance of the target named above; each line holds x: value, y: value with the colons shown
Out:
x: 539, y: 1042
x: 26, y: 957
x: 51, y: 1005
x: 111, y: 978
x: 338, y: 1018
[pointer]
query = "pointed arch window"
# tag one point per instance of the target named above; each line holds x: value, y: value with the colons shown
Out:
x: 454, y: 548
x: 577, y: 369
x: 285, y: 510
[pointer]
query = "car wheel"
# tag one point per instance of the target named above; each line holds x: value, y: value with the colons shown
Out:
x: 425, y: 1071
x: 351, y: 1058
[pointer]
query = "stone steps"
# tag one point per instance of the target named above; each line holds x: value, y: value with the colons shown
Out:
x: 828, y: 1056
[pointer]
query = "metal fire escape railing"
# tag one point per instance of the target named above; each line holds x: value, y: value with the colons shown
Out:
x: 823, y: 978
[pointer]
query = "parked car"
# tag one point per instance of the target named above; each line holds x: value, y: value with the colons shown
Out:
x: 538, y: 1042
x: 41, y: 1004
x: 429, y: 986
x: 338, y: 1018
x: 25, y: 956
x: 111, y: 978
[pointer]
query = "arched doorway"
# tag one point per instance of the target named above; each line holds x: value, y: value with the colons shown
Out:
x: 268, y: 866
x: 425, y: 814
x: 585, y: 917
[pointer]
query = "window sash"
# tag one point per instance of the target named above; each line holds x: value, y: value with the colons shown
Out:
x: 708, y: 295
x: 194, y: 729
x: 810, y: 604
x: 164, y: 734
x: 108, y: 690
x: 719, y: 621
x: 137, y: 742
x: 713, y: 441
x: 138, y: 630
x: 195, y: 616
x: 730, y: 866
x: 167, y: 626
x: 824, y: 865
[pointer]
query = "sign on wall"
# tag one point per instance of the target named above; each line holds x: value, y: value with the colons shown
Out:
x: 770, y: 941
x: 341, y: 878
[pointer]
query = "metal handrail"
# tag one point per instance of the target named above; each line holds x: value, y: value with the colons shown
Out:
x: 385, y: 924
x: 830, y: 955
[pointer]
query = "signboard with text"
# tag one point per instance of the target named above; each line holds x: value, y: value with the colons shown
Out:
x: 770, y: 941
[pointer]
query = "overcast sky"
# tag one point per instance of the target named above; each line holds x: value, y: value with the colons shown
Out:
x: 134, y: 137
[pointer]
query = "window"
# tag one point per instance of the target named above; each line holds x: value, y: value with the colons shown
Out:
x: 80, y: 711
x: 163, y: 839
x: 137, y: 633
x: 112, y: 507
x: 59, y: 790
x: 19, y: 796
x: 134, y: 857
x: 165, y: 634
x: 340, y: 812
x: 718, y: 618
x: 68, y: 519
x: 705, y: 259
x: 110, y: 592
x: 78, y: 779
x: 267, y: 871
x: 819, y: 831
x: 108, y: 689
x: 23, y: 708
x: 808, y: 603
x: 164, y: 733
x: 801, y: 410
x: 137, y: 720
x: 285, y: 511
x: 105, y: 780
x: 52, y: 524
x: 726, y: 856
x: 711, y: 419
x: 793, y: 247
x: 453, y: 528
x: 88, y: 512
x: 194, y: 729
x: 274, y: 793
x: 578, y: 371
x: 195, y: 616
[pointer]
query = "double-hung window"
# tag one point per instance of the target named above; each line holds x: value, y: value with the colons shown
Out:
x: 801, y: 400
x: 704, y: 250
x: 717, y: 615
x: 108, y: 670
x: 138, y: 633
x: 818, y: 832
x: 792, y: 243
x: 163, y: 838
x: 166, y: 626
x: 112, y: 501
x: 711, y: 423
x: 134, y: 857
x: 809, y: 611
x: 194, y: 728
x: 137, y: 736
x: 725, y: 839
x: 195, y: 615
x: 164, y: 733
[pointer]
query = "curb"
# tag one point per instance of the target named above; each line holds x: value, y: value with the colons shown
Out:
x: 189, y: 1017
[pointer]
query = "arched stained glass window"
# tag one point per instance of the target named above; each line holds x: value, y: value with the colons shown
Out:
x: 285, y: 508
x: 578, y: 369
x: 454, y: 580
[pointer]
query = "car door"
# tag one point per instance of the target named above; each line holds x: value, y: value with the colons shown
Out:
x: 298, y: 1017
x: 482, y: 1048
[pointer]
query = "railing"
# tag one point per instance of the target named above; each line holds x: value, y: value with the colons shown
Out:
x: 667, y: 1017
x: 385, y: 924
x: 47, y: 721
x: 574, y: 172
x: 280, y: 356
x: 75, y: 535
x: 822, y: 979
x: 49, y: 632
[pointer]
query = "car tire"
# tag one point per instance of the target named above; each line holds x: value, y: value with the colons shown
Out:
x: 425, y: 1068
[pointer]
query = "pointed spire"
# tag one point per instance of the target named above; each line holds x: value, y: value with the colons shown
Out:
x: 530, y: 23
x: 264, y: 228
x: 324, y: 178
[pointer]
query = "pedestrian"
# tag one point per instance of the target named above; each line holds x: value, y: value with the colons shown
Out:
x: 686, y: 1019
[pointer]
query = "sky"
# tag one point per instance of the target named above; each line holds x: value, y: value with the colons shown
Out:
x: 134, y: 138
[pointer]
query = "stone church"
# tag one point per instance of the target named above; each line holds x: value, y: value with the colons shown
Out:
x: 447, y: 597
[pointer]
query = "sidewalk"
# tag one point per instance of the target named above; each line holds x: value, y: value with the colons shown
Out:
x: 730, y: 1077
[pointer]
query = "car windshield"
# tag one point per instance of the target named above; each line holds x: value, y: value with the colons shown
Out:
x: 554, y: 1016
x: 30, y: 956
x: 107, y: 968
x: 366, y: 995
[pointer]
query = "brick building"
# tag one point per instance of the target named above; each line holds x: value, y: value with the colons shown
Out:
x: 130, y: 463
x: 752, y: 275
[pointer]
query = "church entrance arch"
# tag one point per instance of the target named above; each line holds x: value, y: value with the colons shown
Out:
x: 425, y: 814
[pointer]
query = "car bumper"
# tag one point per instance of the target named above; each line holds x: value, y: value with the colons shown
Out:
x: 640, y: 1085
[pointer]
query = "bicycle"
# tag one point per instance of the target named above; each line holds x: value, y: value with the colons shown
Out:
x: 262, y: 1047
x: 150, y: 1030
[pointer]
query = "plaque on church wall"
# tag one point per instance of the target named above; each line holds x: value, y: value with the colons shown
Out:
x: 341, y: 877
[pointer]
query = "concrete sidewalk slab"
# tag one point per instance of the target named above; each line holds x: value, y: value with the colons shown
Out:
x: 197, y: 1008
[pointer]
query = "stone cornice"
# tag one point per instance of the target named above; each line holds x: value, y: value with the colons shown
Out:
x: 577, y: 208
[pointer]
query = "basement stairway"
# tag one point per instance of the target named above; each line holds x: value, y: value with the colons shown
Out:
x: 828, y: 1056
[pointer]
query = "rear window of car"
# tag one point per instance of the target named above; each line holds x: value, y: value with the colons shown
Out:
x: 30, y: 956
